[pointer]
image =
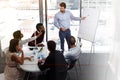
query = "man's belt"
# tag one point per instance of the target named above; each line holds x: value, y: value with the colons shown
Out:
x: 66, y: 29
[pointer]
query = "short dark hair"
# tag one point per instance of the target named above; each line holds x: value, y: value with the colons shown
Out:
x: 62, y: 4
x: 39, y: 25
x: 17, y: 34
x: 72, y: 40
x: 13, y: 44
x: 51, y: 45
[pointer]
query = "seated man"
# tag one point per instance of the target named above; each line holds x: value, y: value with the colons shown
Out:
x: 73, y: 52
x: 40, y: 30
x: 55, y: 64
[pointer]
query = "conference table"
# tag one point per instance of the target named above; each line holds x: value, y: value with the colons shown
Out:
x: 36, y: 54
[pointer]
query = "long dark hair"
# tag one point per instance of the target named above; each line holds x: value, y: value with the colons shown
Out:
x: 13, y: 44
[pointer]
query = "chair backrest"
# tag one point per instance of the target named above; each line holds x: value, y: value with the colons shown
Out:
x: 71, y: 65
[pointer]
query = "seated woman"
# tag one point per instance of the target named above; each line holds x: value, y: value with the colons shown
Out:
x: 12, y: 71
x: 39, y: 30
x: 18, y: 35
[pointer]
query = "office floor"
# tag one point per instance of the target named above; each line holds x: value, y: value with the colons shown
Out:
x: 92, y: 67
x: 2, y: 64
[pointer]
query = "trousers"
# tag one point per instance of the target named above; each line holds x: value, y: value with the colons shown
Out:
x: 64, y: 35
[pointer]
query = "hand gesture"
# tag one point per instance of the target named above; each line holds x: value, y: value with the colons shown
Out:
x: 39, y: 34
x: 83, y: 18
x: 62, y: 29
x: 19, y: 49
x: 40, y: 61
x: 27, y: 58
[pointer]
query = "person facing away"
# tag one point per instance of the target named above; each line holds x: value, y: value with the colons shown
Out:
x: 39, y: 30
x: 62, y: 22
x: 74, y: 51
x: 55, y: 63
x: 12, y: 71
x: 18, y: 35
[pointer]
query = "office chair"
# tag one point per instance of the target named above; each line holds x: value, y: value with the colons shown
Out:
x: 71, y: 66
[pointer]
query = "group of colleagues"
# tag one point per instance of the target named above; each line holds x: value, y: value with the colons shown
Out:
x: 55, y: 63
x: 13, y: 59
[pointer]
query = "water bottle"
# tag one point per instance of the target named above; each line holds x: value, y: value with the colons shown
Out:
x: 34, y: 52
x: 42, y: 56
x: 39, y: 55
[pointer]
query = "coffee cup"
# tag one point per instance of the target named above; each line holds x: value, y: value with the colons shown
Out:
x: 32, y: 58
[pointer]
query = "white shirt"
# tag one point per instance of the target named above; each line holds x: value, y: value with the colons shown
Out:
x: 63, y: 19
x: 22, y: 42
x: 73, y: 53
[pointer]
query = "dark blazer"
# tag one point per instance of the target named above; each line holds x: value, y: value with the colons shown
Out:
x: 38, y: 40
x: 56, y: 65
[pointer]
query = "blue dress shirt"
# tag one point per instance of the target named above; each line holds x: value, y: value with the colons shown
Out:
x: 63, y: 19
x: 73, y: 53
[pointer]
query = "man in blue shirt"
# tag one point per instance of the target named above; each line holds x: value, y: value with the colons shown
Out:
x: 62, y: 22
x: 74, y: 51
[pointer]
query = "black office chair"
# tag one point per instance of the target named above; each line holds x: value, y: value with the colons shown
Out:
x: 71, y: 66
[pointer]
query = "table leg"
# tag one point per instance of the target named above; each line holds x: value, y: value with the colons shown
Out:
x: 28, y: 75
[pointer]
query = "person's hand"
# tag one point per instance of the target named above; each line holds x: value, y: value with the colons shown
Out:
x: 62, y: 29
x: 40, y: 45
x: 83, y: 18
x: 40, y: 61
x: 27, y: 58
x: 19, y: 49
x: 39, y: 34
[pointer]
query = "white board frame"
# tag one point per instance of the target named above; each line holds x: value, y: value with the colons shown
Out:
x: 88, y: 27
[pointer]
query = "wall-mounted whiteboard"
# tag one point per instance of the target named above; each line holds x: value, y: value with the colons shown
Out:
x: 88, y: 26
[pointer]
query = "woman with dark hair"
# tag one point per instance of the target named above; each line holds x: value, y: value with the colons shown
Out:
x: 12, y: 71
x: 18, y: 35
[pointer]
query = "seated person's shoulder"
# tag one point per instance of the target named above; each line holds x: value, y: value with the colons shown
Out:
x: 57, y: 51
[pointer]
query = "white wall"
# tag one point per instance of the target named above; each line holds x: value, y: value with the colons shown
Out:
x: 115, y: 53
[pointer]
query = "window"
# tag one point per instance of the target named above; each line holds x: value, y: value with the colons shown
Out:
x: 17, y: 15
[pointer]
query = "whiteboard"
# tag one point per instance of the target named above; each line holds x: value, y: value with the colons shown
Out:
x: 88, y: 27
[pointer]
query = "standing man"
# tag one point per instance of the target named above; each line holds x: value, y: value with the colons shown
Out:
x: 62, y: 22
